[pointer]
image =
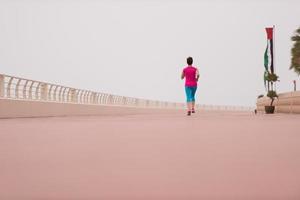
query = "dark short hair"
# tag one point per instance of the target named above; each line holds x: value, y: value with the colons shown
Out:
x: 189, y: 60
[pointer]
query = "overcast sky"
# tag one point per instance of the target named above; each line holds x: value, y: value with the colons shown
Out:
x: 139, y: 47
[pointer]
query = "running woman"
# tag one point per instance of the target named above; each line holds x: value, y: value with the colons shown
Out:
x: 191, y: 75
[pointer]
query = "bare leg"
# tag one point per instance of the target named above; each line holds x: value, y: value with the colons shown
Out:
x: 193, y: 105
x: 189, y: 106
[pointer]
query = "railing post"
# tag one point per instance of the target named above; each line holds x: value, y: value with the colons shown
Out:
x: 291, y: 103
x: 1, y: 85
x: 73, y: 96
x: 93, y: 98
x: 44, y: 91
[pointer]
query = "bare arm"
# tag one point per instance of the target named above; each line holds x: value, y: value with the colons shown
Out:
x: 197, y: 75
x: 182, y: 75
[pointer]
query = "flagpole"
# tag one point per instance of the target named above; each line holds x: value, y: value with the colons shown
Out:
x: 274, y: 54
x: 274, y: 49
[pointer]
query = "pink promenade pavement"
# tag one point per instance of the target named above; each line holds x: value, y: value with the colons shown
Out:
x: 160, y: 156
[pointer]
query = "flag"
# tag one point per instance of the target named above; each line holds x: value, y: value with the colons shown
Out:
x: 268, y: 56
x: 265, y: 78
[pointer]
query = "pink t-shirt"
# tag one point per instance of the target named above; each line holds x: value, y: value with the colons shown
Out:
x: 190, y: 73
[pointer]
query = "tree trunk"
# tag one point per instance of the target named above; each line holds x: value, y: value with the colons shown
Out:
x: 272, y: 101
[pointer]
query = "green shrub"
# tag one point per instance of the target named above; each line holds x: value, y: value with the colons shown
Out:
x: 272, y: 77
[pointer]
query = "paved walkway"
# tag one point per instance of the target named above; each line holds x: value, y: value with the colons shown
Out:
x: 208, y: 156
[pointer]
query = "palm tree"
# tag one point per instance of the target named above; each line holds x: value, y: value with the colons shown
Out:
x: 295, y: 64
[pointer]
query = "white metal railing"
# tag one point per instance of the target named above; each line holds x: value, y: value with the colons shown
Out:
x: 20, y: 88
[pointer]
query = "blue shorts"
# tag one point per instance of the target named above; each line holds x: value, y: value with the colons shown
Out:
x: 190, y: 93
